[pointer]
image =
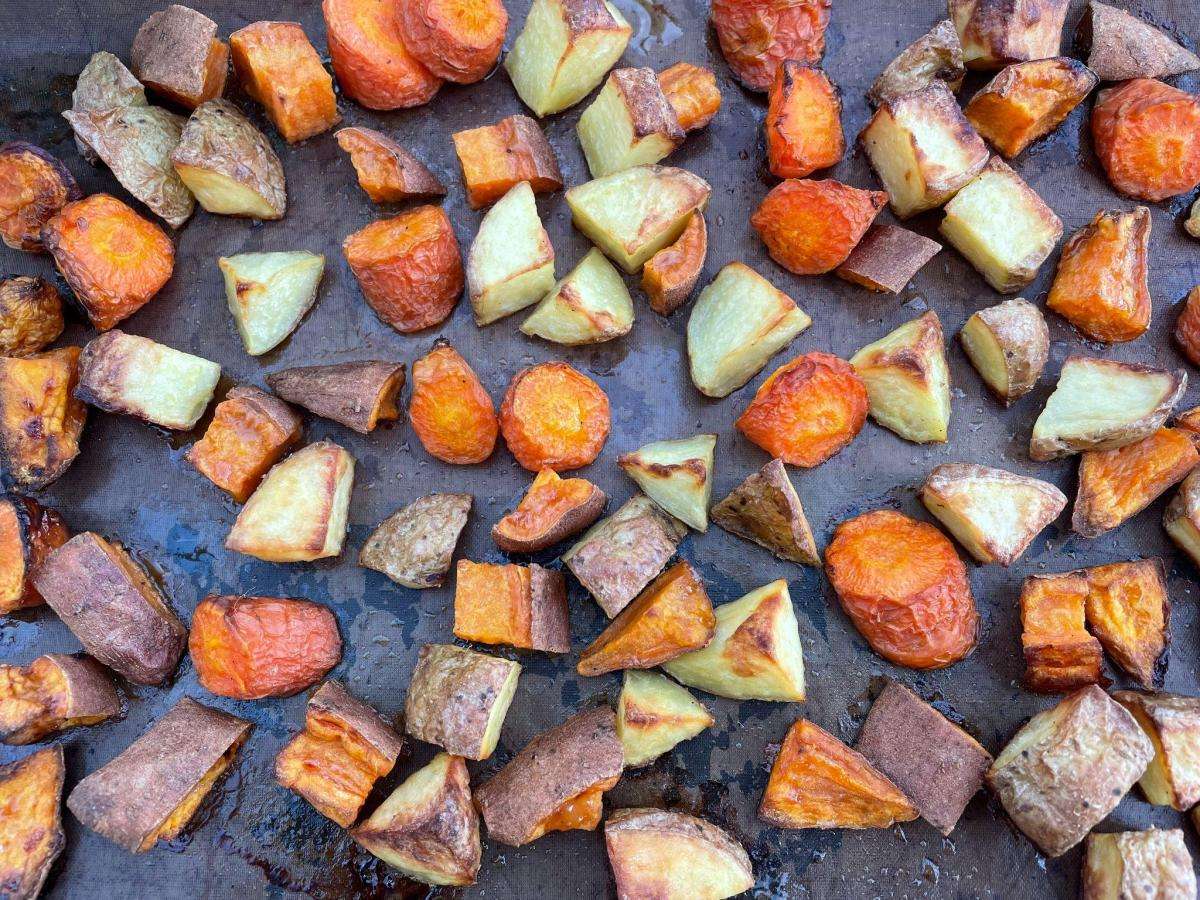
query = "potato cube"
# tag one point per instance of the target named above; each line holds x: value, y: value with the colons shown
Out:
x: 670, y: 275
x: 40, y: 417
x: 495, y: 158
x: 1008, y: 344
x: 677, y: 475
x: 693, y: 94
x: 1129, y: 610
x: 997, y: 32
x: 934, y: 56
x: 53, y: 693
x: 654, y: 714
x: 29, y: 532
x: 511, y: 261
x: 765, y: 509
x: 385, y: 170
x: 1123, y: 46
x: 358, y: 395
x: 803, y: 127
x: 630, y: 123
x: 269, y: 293
x: 887, y: 258
x: 415, y: 545
x: 589, y: 305
x: 31, y: 833
x: 1172, y: 723
x: 522, y: 606
x: 1182, y: 517
x: 1060, y: 655
x: 1149, y: 863
x: 176, y: 53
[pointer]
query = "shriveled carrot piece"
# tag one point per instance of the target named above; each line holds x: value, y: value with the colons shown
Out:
x: 458, y: 40
x: 803, y: 124
x: 1060, y: 655
x: 692, y: 92
x: 810, y: 227
x: 451, y: 412
x: 807, y: 410
x: 554, y: 417
x: 1187, y: 327
x: 756, y: 35
x: 370, y: 59
x: 670, y: 274
x: 496, y: 158
x: 34, y: 186
x: 385, y: 170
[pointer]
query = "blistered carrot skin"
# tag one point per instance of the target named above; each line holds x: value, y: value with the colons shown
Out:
x: 34, y: 186
x: 693, y: 94
x: 1187, y: 327
x: 458, y: 40
x: 452, y: 414
x: 757, y: 35
x: 803, y: 125
x: 810, y: 227
x: 554, y: 417
x: 372, y: 63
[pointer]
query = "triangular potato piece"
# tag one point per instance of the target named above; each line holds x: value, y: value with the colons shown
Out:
x: 677, y: 475
x: 511, y: 261
x: 1172, y: 723
x: 819, y: 782
x: 755, y: 654
x: 994, y: 514
x: 269, y: 293
x: 907, y: 380
x: 766, y: 510
x: 591, y: 305
x: 654, y: 714
x: 1125, y: 47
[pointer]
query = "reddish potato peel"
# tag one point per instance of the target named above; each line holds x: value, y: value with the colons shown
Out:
x: 803, y: 125
x: 692, y: 92
x: 34, y: 186
x: 810, y: 227
x: 451, y: 412
x: 554, y: 417
x: 370, y: 59
x: 756, y: 35
x: 458, y: 40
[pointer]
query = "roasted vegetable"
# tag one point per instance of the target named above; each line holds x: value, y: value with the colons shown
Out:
x: 755, y: 653
x: 619, y: 555
x: 1149, y: 863
x: 554, y: 417
x: 358, y: 395
x: 997, y: 32
x: 670, y: 275
x: 114, y: 260
x: 1129, y: 610
x: 511, y: 261
x: 450, y: 410
x: 810, y: 227
x: 807, y: 410
x: 459, y: 40
x: 29, y: 532
x: 818, y: 782
x: 634, y: 213
x: 588, y: 306
x: 495, y: 158
x: 693, y: 94
x: 229, y: 164
x: 1182, y: 517
x: 523, y: 606
x: 677, y: 475
x: 414, y: 546
x: 887, y: 258
x: 385, y: 170
x: 104, y: 84
x: 934, y: 56
x: 922, y: 148
x: 269, y: 293
x: 176, y: 53
x: 1187, y: 326
x: 556, y: 783
x: 630, y: 123
x: 1008, y: 344
x: 904, y: 588
x: 671, y: 855
x: 40, y: 419
x: 1068, y: 768
x: 278, y: 67
x: 30, y: 315
x: 1123, y: 46
x: 994, y: 514
x: 765, y: 509
x: 51, y: 694
x: 31, y: 833
x: 344, y: 749
x: 1172, y: 723
x: 1101, y: 404
x: 1192, y: 224
x: 428, y: 828
x: 34, y: 186
x: 563, y: 51
x: 552, y: 510
x: 803, y: 125
x: 757, y: 35
x: 672, y: 616
x: 133, y: 375
x: 458, y: 699
x: 654, y: 714
x: 937, y: 765
x: 371, y: 60
x: 738, y: 323
x: 153, y: 788
x: 112, y: 607
x: 299, y: 511
x: 408, y: 267
x: 1060, y: 655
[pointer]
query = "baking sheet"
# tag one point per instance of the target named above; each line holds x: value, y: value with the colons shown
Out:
x: 252, y: 838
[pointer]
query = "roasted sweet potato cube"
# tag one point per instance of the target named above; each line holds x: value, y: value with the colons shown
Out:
x: 1130, y: 612
x: 757, y: 35
x: 997, y: 32
x: 1102, y: 286
x: 497, y: 157
x: 887, y: 258
x: 249, y: 432
x: 934, y: 56
x: 552, y: 510
x: 654, y: 714
x: 414, y: 546
x: 51, y: 694
x: 370, y: 58
x: 358, y: 395
x: 451, y: 412
x: 176, y: 53
x: 766, y: 509
x: 279, y: 68
x: 818, y: 782
x: 672, y: 616
x: 807, y: 410
x: 803, y: 125
x: 31, y: 834
x: 459, y: 40
x: 1008, y: 344
x: 114, y: 260
x: 630, y: 123
x: 385, y: 170
x: 345, y: 747
x: 409, y: 268
x: 554, y: 417
x: 1187, y: 327
x: 1172, y: 723
x: 1150, y: 863
x: 670, y: 275
x: 29, y: 532
x: 693, y: 94
x: 810, y: 227
x: 1147, y: 136
x: 1123, y: 46
x: 1060, y: 655
x: 30, y: 315
x: 40, y: 418
x: 34, y: 186
x: 523, y: 606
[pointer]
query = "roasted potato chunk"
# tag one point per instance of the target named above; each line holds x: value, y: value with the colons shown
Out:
x: 556, y: 783
x: 904, y: 588
x: 765, y: 509
x: 370, y: 57
x: 1129, y: 610
x: 30, y: 315
x: 810, y: 227
x: 660, y: 853
x: 1068, y: 767
x: 29, y: 532
x: 630, y: 123
x: 270, y: 293
x: 103, y: 84
x: 804, y: 122
x: 669, y: 276
x: 450, y: 410
x: 1172, y: 723
x: 654, y: 714
x: 279, y: 68
x: 496, y: 158
x: 818, y: 782
x: 458, y: 40
x: 887, y: 258
x: 677, y: 475
x: 151, y: 791
x: 177, y: 54
x: 757, y: 35
x: 112, y: 607
x: 552, y: 510
x: 51, y: 694
x: 428, y: 828
x: 1187, y: 326
x: 414, y: 545
x: 386, y: 171
x: 40, y: 418
x: 554, y: 417
x: 934, y: 56
x: 995, y: 33
x: 1008, y: 344
x: 693, y: 94
x: 1060, y: 655
x: 1182, y: 517
x: 1149, y: 863
x: 31, y: 833
x: 523, y: 606
x: 458, y: 699
x: 1123, y: 47
x: 589, y: 306
x: 344, y: 749
x: 511, y: 261
x: 34, y: 186
x: 358, y: 395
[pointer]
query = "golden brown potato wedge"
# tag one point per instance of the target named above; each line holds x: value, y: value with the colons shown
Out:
x: 766, y: 509
x: 934, y: 56
x: 997, y: 32
x: 677, y: 475
x: 30, y: 315
x: 552, y: 510
x: 415, y: 545
x: 51, y: 694
x: 358, y: 395
x: 176, y: 53
x: 29, y: 532
x: 1172, y: 723
x: 630, y: 123
x: 1149, y: 863
x: 270, y: 293
x: 887, y: 258
x: 511, y: 261
x: 1123, y: 46
x: 1060, y: 655
x: 1008, y: 344
x: 654, y: 714
x: 31, y: 833
x: 523, y: 606
x: 40, y: 418
x: 589, y: 305
x: 1129, y: 610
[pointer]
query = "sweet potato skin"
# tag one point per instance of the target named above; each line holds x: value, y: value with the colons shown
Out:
x: 1187, y: 327
x: 177, y: 54
x: 34, y: 186
x: 53, y: 693
x: 372, y: 63
x: 29, y: 532
x: 495, y: 158
x: 693, y: 94
x: 1060, y: 655
x: 358, y: 395
x: 30, y: 315
x: 803, y: 125
x: 757, y: 35
x: 458, y: 40
x: 554, y: 417
x: 509, y: 604
x: 552, y: 510
x: 810, y: 227
x: 997, y: 32
x: 1122, y: 46
x: 40, y: 417
x: 670, y: 275
x: 31, y: 833
x: 450, y: 410
x: 385, y: 170
x: 887, y: 258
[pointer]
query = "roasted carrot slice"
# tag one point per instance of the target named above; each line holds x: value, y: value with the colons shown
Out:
x: 452, y: 414
x: 458, y: 40
x: 756, y: 35
x: 810, y: 227
x: 554, y: 417
x: 370, y: 59
x: 803, y: 124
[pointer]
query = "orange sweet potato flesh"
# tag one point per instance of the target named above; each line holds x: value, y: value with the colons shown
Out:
x: 672, y: 616
x: 1130, y: 612
x: 114, y: 260
x: 1187, y: 327
x: 409, y: 268
x: 254, y: 647
x: 1147, y: 136
x: 452, y: 414
x: 370, y: 59
x: 386, y: 171
x: 458, y: 40
x: 803, y: 125
x: 554, y: 417
x: 1060, y: 654
x: 40, y: 417
x: 496, y: 158
x: 552, y: 510
x: 31, y: 834
x: 581, y: 813
x: 1102, y: 284
x: 492, y: 604
x: 818, y: 782
x: 279, y: 68
x: 692, y: 92
x: 807, y: 410
x: 756, y: 35
x: 810, y: 227
x: 904, y: 588
x: 29, y: 532
x: 34, y: 186
x: 670, y: 275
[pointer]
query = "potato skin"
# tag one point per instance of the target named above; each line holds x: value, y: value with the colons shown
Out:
x: 358, y: 395
x: 1150, y: 863
x: 30, y: 315
x: 34, y: 186
x: 31, y: 833
x: 997, y: 32
x: 40, y: 417
x: 934, y: 56
x: 1020, y: 331
x: 552, y: 510
x: 414, y: 546
x: 372, y: 63
x: 765, y: 509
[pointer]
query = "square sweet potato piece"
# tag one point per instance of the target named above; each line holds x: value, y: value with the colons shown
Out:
x: 1060, y: 655
x: 495, y: 158
x: 177, y: 54
x: 523, y: 606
